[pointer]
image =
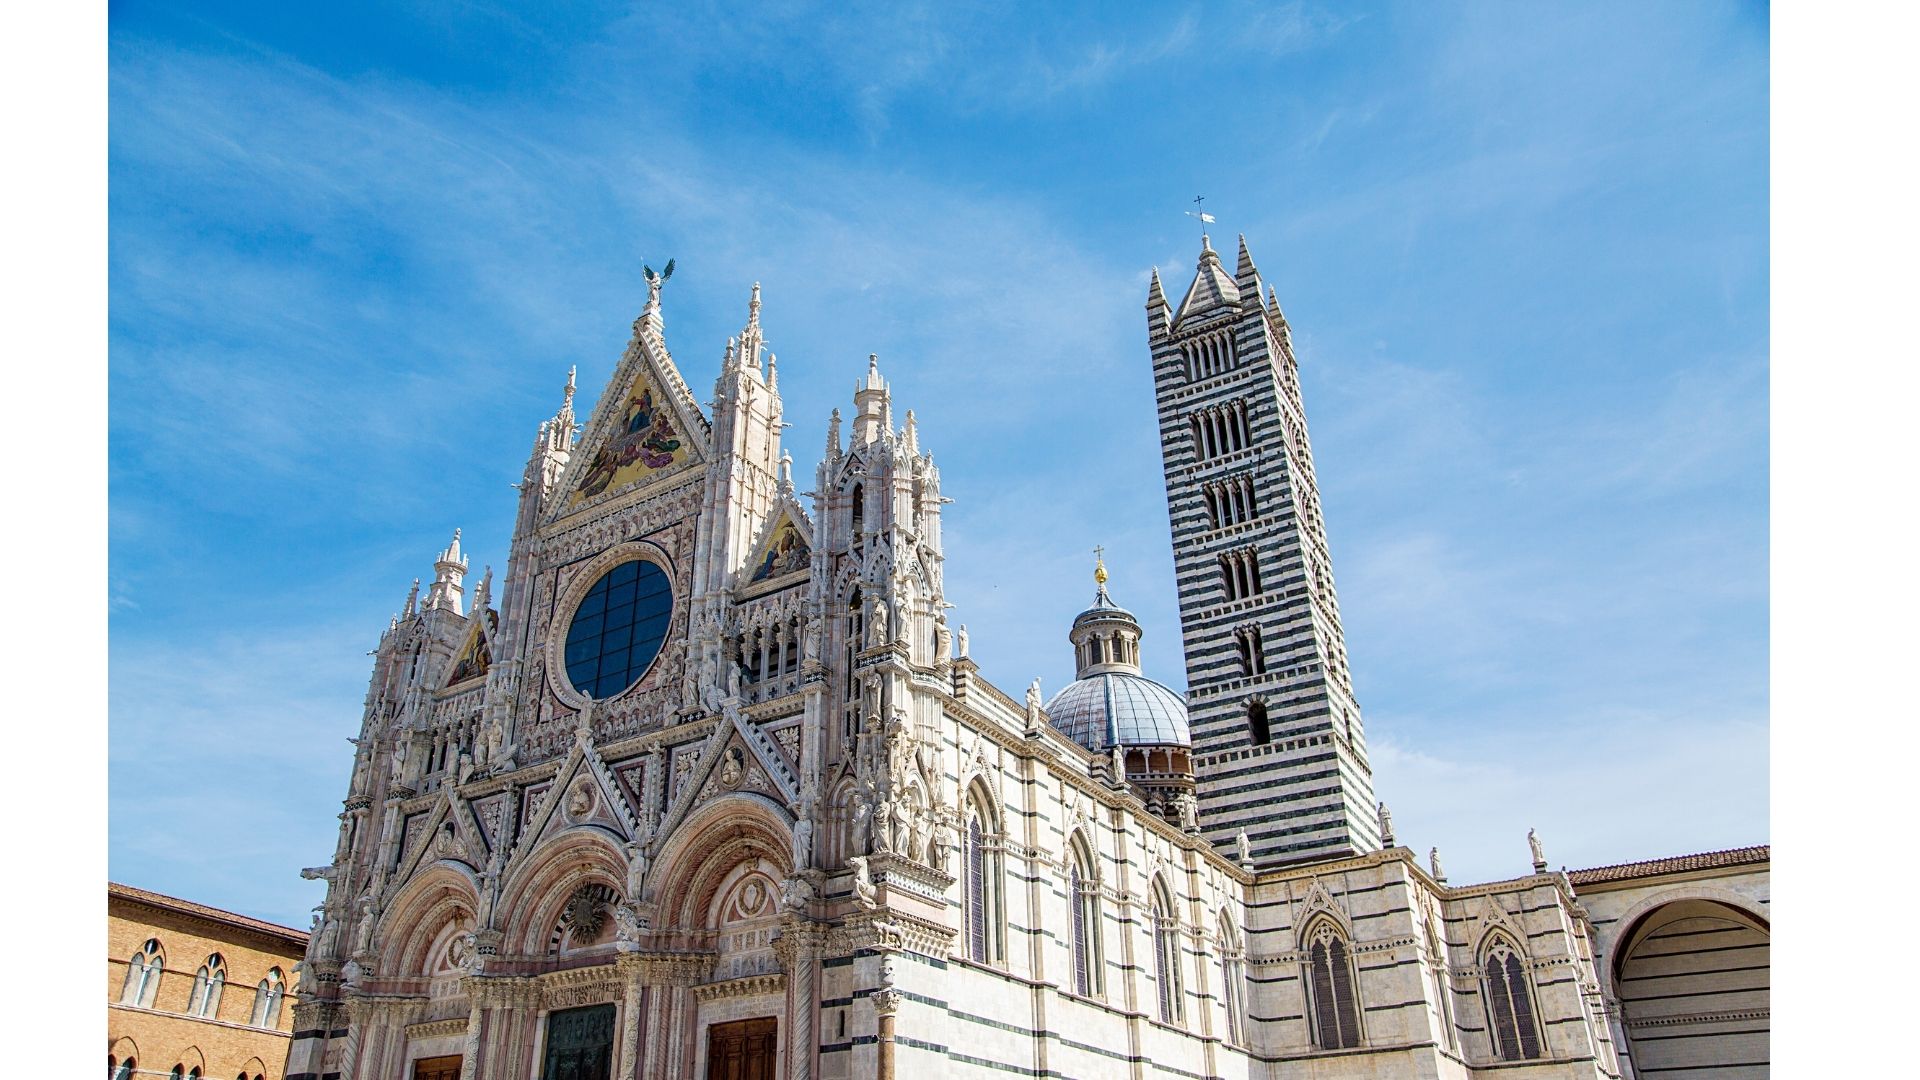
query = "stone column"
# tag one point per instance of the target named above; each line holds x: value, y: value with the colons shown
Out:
x: 630, y: 968
x: 885, y: 1004
x: 476, y: 1017
x: 357, y: 1019
x: 799, y: 949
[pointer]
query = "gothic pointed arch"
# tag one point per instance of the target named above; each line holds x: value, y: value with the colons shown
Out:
x: 1084, y: 929
x: 1169, y: 982
x: 443, y: 895
x: 1333, y: 1005
x: 142, y: 984
x: 1508, y: 993
x: 538, y: 887
x: 1233, y: 976
x: 704, y: 855
x: 983, y: 902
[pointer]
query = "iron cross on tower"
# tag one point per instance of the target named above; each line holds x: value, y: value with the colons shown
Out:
x: 1206, y: 219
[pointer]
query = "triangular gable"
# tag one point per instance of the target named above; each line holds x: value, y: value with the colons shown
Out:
x: 449, y: 831
x: 785, y: 548
x: 645, y: 426
x: 583, y: 792
x: 739, y: 756
x: 476, y: 654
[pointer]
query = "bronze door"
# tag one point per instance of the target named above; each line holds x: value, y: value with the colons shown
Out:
x: 437, y: 1068
x: 580, y: 1044
x: 742, y: 1050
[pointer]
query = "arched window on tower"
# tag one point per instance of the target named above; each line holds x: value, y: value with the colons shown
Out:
x: 143, y: 975
x: 1257, y: 725
x: 267, y: 997
x: 983, y: 904
x: 1509, y: 1000
x: 1166, y: 955
x: 1083, y: 892
x: 123, y: 1071
x: 858, y: 520
x: 1330, y: 996
x: 207, y: 984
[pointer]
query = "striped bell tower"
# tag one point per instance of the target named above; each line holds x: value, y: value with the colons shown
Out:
x: 1278, y: 750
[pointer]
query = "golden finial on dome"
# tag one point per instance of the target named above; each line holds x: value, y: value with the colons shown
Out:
x: 1099, y: 565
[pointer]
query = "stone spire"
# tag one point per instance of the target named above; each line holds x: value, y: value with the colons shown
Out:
x: 1244, y: 273
x: 448, y: 572
x: 873, y: 403
x: 1211, y: 288
x: 483, y: 593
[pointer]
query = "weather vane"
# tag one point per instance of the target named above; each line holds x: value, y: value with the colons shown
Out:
x: 1206, y: 219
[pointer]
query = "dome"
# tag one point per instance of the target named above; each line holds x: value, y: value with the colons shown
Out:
x: 1138, y: 711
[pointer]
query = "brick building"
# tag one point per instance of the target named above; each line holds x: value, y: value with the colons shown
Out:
x: 193, y: 992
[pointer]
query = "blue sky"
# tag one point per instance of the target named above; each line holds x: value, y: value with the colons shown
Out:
x: 1524, y: 251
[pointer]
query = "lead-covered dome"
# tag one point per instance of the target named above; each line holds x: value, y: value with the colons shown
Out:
x: 1109, y: 700
x: 1117, y: 706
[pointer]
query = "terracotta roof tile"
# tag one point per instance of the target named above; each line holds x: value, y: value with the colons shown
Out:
x: 1679, y: 864
x: 188, y: 907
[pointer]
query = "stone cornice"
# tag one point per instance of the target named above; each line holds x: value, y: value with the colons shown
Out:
x: 771, y: 983
x: 437, y: 1029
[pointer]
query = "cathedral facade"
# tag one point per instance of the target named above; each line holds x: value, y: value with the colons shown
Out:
x: 705, y: 784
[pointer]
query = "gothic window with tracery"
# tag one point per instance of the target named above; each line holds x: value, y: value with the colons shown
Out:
x: 266, y: 999
x: 983, y: 887
x: 1437, y: 974
x: 207, y: 984
x: 1330, y: 994
x: 1509, y: 1001
x: 1233, y: 980
x: 143, y: 975
x: 1166, y: 955
x: 1083, y: 892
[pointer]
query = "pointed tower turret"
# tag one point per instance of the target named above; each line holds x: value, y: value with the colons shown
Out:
x: 1212, y: 290
x: 872, y: 405
x: 877, y: 527
x: 1278, y: 747
x: 449, y: 570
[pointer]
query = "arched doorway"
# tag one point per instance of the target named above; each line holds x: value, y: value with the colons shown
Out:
x: 1692, y: 979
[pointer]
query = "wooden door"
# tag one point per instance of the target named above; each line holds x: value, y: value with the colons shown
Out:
x: 742, y: 1050
x: 437, y: 1068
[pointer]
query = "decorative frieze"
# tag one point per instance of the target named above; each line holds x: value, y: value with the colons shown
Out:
x: 773, y: 982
